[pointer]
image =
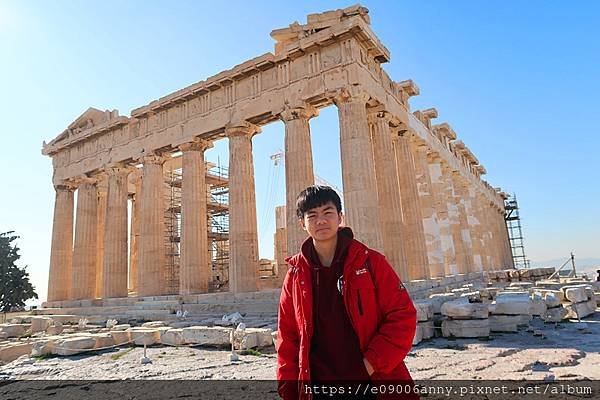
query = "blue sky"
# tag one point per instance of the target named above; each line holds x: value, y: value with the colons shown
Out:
x: 518, y: 82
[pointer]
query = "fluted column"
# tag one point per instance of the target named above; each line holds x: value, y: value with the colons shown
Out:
x: 431, y: 226
x: 485, y: 233
x: 194, y: 273
x: 115, y: 233
x: 457, y: 219
x: 506, y: 241
x: 102, y: 199
x: 440, y: 195
x: 463, y: 203
x: 243, y: 236
x: 415, y: 246
x: 475, y: 225
x: 61, y: 253
x: 134, y: 234
x: 358, y: 170
x: 84, y: 248
x: 298, y: 169
x: 390, y: 207
x: 151, y: 272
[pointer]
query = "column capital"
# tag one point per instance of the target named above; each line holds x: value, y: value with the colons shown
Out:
x: 350, y: 95
x: 243, y: 128
x: 83, y: 179
x: 118, y: 169
x: 153, y: 158
x: 196, y: 145
x: 65, y: 185
x: 304, y: 112
x: 377, y: 114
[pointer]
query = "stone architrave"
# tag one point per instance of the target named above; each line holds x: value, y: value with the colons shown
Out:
x: 430, y: 219
x: 84, y: 248
x: 414, y: 239
x: 390, y: 207
x: 151, y: 271
x: 243, y: 235
x: 115, y: 233
x: 195, y: 271
x: 358, y: 169
x: 440, y: 194
x: 61, y: 253
x: 298, y: 168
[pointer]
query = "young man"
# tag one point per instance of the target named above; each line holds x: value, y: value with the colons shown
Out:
x: 344, y: 314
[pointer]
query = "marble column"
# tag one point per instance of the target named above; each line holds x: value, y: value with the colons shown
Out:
x: 243, y: 235
x: 298, y: 169
x: 61, y: 253
x: 361, y: 205
x: 390, y: 207
x: 440, y: 194
x: 115, y: 233
x: 506, y: 240
x: 431, y: 225
x: 475, y: 225
x: 463, y: 203
x: 415, y: 246
x: 457, y: 219
x: 151, y: 271
x: 84, y: 249
x: 134, y: 235
x: 194, y: 272
x: 102, y: 199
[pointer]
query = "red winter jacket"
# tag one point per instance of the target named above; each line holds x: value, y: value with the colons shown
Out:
x: 380, y: 310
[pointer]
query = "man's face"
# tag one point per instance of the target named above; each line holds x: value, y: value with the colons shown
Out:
x: 322, y: 223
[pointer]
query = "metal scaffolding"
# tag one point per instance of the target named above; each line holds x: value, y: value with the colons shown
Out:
x: 515, y: 232
x: 217, y: 206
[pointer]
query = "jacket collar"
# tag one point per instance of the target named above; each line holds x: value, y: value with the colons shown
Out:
x: 356, y: 256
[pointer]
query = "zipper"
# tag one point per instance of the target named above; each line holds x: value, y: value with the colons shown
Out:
x: 360, y: 309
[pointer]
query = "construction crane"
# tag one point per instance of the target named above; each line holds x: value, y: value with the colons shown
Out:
x: 279, y: 159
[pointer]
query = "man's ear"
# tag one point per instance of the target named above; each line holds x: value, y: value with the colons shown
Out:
x: 340, y: 219
x: 301, y: 223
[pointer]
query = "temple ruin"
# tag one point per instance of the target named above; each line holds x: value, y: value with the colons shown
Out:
x: 411, y: 188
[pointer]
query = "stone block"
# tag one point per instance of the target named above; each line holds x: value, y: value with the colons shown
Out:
x: 121, y: 337
x: 207, y: 335
x: 462, y: 309
x: 11, y: 351
x: 65, y: 319
x: 172, y: 337
x: 425, y: 310
x: 154, y: 324
x: 274, y: 335
x: 427, y: 328
x: 42, y: 347
x: 75, y: 345
x: 40, y: 324
x: 418, y: 335
x: 54, y: 330
x: 145, y: 336
x: 555, y: 314
x: 509, y: 303
x: 575, y: 294
x: 504, y: 323
x: 120, y: 327
x: 13, y: 330
x: 552, y: 298
x: 466, y: 328
x: 103, y: 340
x: 438, y: 299
x: 581, y: 309
x: 257, y: 337
x: 538, y: 305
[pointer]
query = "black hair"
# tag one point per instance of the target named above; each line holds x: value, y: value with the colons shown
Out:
x: 315, y: 196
